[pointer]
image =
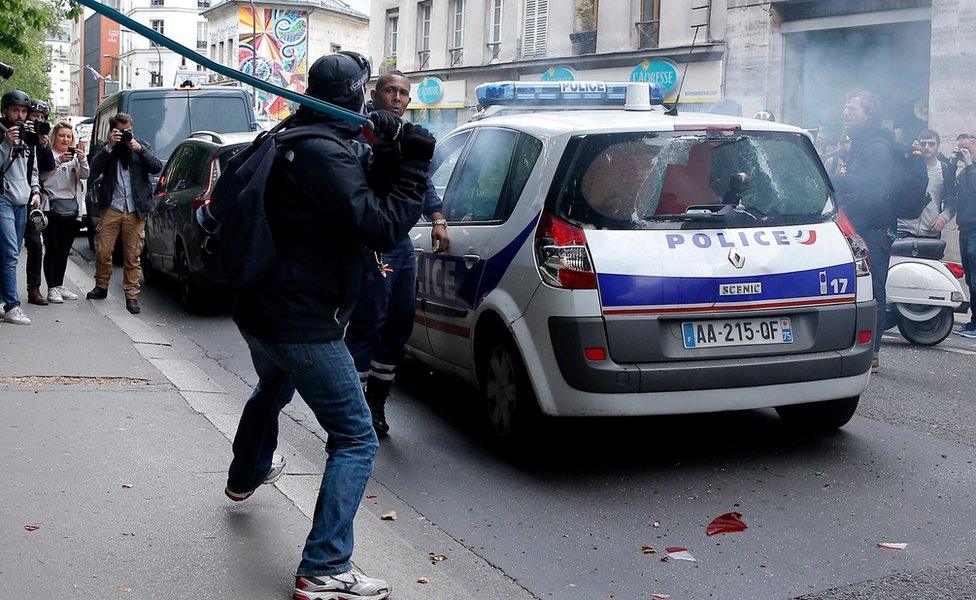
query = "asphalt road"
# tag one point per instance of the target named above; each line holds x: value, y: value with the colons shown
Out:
x: 569, y: 519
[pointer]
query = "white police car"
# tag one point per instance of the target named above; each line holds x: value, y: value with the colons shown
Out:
x: 624, y: 261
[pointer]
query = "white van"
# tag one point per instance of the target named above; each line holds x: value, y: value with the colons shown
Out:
x: 622, y: 261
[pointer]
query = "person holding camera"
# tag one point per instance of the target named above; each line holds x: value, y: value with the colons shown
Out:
x: 327, y: 197
x: 38, y: 115
x: 941, y: 191
x: 19, y: 188
x: 121, y: 170
x: 66, y: 208
x: 965, y: 155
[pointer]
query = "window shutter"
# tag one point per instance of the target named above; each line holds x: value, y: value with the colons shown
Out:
x: 535, y: 28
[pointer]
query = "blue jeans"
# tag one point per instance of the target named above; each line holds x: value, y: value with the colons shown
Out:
x: 879, y: 253
x: 382, y: 322
x: 324, y: 375
x: 967, y: 248
x: 13, y: 220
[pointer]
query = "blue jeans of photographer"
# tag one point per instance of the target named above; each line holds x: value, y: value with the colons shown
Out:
x: 13, y: 220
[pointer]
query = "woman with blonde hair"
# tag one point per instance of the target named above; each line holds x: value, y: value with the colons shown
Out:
x: 67, y: 208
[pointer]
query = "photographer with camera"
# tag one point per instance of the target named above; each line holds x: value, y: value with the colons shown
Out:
x: 66, y: 200
x: 121, y: 170
x: 964, y: 156
x: 38, y: 115
x: 19, y: 189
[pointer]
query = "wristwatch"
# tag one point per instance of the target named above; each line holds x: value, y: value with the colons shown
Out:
x: 440, y: 222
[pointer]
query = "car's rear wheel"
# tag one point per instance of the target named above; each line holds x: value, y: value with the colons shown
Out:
x: 191, y: 296
x: 149, y: 272
x: 819, y: 416
x: 511, y: 407
x: 929, y: 332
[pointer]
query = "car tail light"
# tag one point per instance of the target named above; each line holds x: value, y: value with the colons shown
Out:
x: 204, y: 198
x: 564, y: 260
x: 955, y: 268
x: 859, y: 249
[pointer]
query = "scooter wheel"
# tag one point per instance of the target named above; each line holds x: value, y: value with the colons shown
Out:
x: 927, y: 333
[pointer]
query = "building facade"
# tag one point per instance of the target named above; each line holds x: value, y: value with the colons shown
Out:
x: 76, y: 67
x: 99, y: 49
x: 59, y: 54
x: 279, y: 44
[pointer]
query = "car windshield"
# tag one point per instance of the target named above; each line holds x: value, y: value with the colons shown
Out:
x: 651, y: 180
x: 165, y: 122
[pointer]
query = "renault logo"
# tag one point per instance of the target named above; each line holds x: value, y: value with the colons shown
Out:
x: 737, y: 259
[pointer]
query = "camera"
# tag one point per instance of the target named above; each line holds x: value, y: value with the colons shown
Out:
x: 958, y: 155
x: 31, y: 131
x: 126, y: 136
x: 6, y: 71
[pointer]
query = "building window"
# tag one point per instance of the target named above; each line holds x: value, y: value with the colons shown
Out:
x: 423, y: 34
x: 157, y: 3
x: 392, y: 25
x: 649, y: 27
x: 157, y: 26
x: 535, y: 29
x: 220, y: 57
x: 155, y: 73
x: 494, y: 29
x: 203, y: 3
x: 333, y: 48
x: 230, y: 53
x: 202, y: 35
x: 457, y: 33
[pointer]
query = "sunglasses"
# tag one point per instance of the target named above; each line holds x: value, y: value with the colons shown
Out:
x: 928, y: 144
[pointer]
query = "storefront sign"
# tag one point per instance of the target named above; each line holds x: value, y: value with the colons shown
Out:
x: 663, y: 72
x: 559, y: 73
x: 430, y: 91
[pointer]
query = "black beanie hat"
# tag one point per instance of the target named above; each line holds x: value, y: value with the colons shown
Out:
x: 339, y: 78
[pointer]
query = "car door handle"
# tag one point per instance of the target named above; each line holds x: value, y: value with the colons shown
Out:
x: 470, y: 260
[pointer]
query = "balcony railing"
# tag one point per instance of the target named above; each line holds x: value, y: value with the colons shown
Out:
x: 457, y: 55
x: 648, y: 34
x: 493, y: 50
x: 424, y: 59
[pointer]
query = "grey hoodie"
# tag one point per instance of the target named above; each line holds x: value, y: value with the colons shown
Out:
x: 17, y: 187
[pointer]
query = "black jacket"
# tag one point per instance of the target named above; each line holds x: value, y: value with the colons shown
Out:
x: 966, y: 199
x: 863, y: 191
x: 323, y: 211
x: 144, y: 163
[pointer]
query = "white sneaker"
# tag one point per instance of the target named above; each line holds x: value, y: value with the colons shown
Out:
x: 67, y: 294
x: 350, y: 585
x: 54, y: 296
x: 277, y: 468
x: 16, y: 316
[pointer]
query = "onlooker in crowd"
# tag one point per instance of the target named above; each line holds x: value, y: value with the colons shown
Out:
x: 383, y: 320
x: 38, y: 111
x: 121, y: 169
x: 941, y: 191
x: 322, y: 210
x: 864, y: 183
x: 67, y: 207
x: 966, y: 219
x: 19, y: 188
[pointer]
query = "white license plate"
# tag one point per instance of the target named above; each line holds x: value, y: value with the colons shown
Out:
x: 737, y: 332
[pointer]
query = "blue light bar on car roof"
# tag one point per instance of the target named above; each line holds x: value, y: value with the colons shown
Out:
x: 559, y: 93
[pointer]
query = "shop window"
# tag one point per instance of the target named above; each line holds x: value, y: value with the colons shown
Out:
x: 439, y: 121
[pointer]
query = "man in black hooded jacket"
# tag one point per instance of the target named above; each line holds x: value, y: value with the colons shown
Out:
x: 864, y: 187
x: 322, y: 211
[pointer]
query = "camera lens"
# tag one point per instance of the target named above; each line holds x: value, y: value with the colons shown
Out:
x: 6, y: 71
x: 126, y: 136
x: 42, y: 127
x: 28, y: 135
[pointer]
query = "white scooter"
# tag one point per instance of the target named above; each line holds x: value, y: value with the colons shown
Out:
x: 923, y: 290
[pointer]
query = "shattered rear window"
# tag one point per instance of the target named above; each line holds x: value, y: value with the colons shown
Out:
x: 641, y: 180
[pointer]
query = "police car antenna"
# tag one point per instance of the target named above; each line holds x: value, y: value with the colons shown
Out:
x: 673, y: 111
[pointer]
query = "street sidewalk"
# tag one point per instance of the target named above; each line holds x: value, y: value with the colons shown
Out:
x: 114, y: 449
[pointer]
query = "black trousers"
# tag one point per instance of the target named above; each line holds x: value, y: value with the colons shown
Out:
x: 35, y: 252
x: 879, y: 253
x: 58, y: 237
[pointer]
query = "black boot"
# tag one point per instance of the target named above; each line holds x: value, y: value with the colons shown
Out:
x: 376, y: 394
x: 97, y: 293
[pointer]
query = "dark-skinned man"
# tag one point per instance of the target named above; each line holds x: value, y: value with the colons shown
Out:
x: 384, y: 316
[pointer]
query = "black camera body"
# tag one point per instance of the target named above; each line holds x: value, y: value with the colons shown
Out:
x: 6, y: 71
x: 126, y: 136
x: 957, y: 154
x: 31, y: 131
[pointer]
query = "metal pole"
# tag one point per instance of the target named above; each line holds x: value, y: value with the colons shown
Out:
x: 254, y: 53
x: 313, y: 103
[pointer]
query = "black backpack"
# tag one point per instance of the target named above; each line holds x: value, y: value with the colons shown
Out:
x: 238, y: 244
x: 909, y: 195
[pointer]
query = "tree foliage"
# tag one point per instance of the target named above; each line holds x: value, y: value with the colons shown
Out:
x: 31, y: 72
x: 23, y: 20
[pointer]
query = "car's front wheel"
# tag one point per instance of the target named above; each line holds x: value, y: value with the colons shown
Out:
x: 819, y: 416
x: 511, y: 407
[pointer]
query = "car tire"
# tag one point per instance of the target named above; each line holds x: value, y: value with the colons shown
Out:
x: 511, y: 409
x: 927, y: 333
x: 819, y: 416
x: 152, y: 276
x: 191, y: 296
x: 90, y: 233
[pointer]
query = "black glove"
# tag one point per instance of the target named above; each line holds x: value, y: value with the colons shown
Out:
x: 417, y: 143
x: 387, y: 128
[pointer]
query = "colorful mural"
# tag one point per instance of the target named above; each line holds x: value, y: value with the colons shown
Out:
x: 274, y: 47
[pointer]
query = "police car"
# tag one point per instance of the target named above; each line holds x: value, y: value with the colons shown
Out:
x: 622, y: 260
